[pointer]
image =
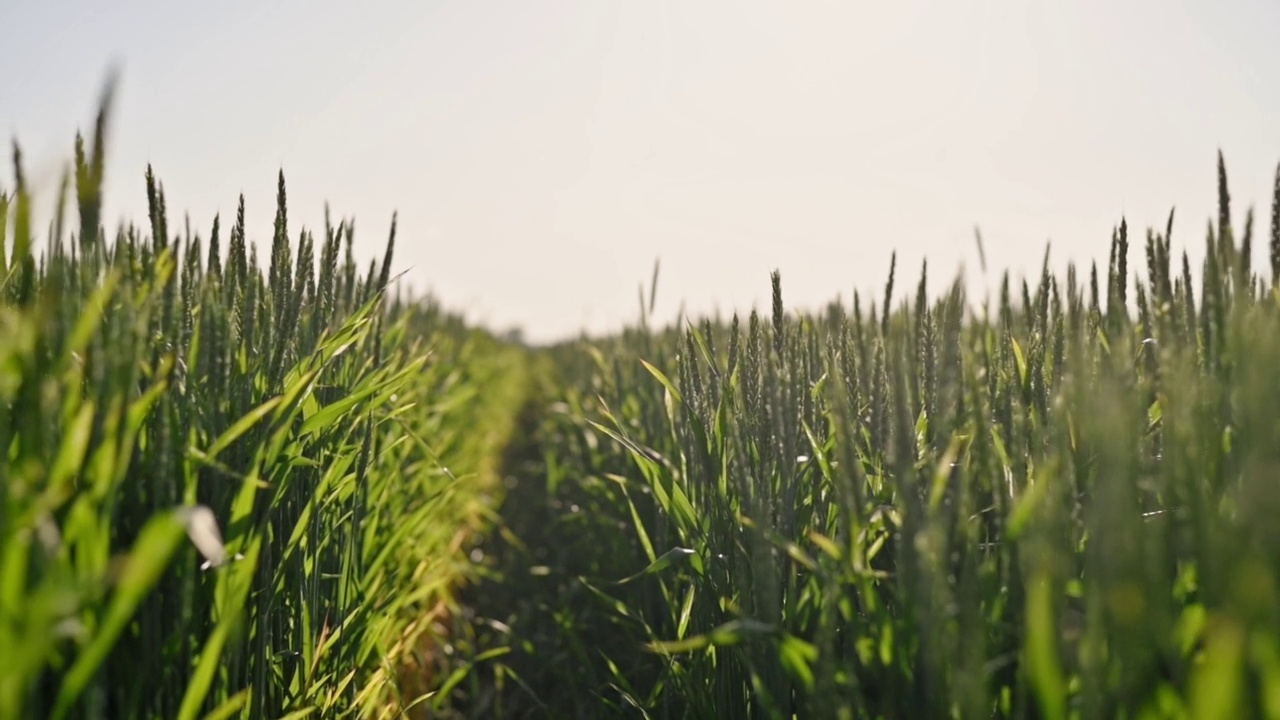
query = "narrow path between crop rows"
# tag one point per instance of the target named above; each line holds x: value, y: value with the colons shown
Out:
x: 529, y: 620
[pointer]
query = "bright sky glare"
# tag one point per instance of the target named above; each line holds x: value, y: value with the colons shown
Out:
x: 543, y: 154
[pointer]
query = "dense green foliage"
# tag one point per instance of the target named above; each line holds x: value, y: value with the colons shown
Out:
x: 1062, y: 506
x: 146, y: 379
x: 1058, y: 506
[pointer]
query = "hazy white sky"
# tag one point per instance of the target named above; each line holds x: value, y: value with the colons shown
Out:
x: 543, y: 154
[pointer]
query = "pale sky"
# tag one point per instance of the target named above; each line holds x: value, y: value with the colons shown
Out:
x: 543, y: 154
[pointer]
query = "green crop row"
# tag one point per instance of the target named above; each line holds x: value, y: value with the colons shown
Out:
x: 226, y: 489
x: 1062, y: 505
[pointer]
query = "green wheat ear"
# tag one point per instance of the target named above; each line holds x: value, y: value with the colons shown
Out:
x: 1275, y: 230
